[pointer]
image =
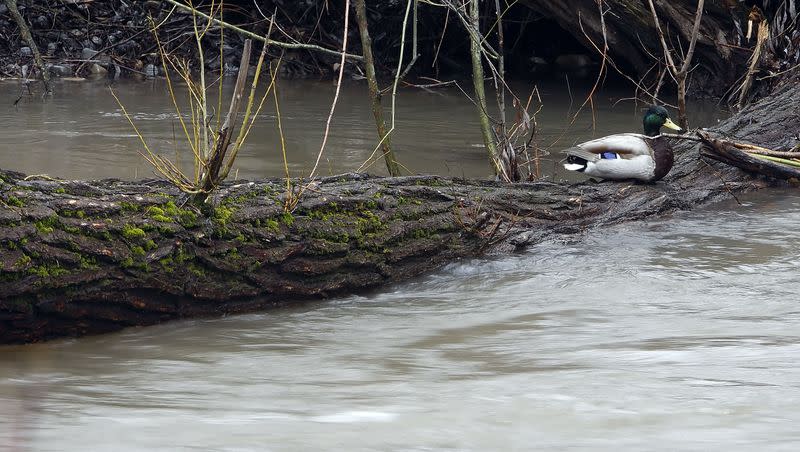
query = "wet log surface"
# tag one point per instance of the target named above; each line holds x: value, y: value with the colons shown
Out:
x: 89, y: 257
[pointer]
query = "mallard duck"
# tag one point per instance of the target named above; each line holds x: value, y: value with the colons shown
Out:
x: 647, y: 157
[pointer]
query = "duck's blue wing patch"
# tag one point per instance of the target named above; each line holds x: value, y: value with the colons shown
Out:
x: 608, y: 155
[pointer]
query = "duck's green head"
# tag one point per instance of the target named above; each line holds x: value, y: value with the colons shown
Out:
x: 657, y: 117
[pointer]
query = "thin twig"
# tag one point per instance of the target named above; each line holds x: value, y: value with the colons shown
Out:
x: 722, y: 179
x: 338, y: 88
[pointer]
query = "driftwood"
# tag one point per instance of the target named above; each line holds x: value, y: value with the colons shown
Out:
x: 726, y: 152
x: 90, y: 257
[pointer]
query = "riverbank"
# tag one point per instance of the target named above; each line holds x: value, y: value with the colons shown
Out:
x: 113, y: 39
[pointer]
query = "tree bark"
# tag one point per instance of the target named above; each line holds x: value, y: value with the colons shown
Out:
x: 90, y: 257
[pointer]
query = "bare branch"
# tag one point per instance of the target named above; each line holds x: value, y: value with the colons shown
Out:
x: 252, y: 35
x: 698, y: 15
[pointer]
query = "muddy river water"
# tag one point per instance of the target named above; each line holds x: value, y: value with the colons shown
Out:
x: 679, y: 333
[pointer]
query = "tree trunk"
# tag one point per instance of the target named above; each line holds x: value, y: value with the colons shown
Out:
x: 374, y: 89
x: 90, y: 257
x: 475, y: 38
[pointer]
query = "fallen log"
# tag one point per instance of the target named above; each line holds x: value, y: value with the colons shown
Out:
x: 90, y: 257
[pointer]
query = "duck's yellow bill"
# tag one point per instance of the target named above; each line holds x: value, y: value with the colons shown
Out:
x: 671, y: 125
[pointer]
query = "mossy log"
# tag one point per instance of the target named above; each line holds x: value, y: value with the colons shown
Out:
x: 90, y: 257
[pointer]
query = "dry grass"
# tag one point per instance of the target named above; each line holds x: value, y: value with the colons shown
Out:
x: 213, y: 147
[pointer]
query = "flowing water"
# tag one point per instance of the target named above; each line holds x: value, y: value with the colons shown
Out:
x: 674, y: 334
